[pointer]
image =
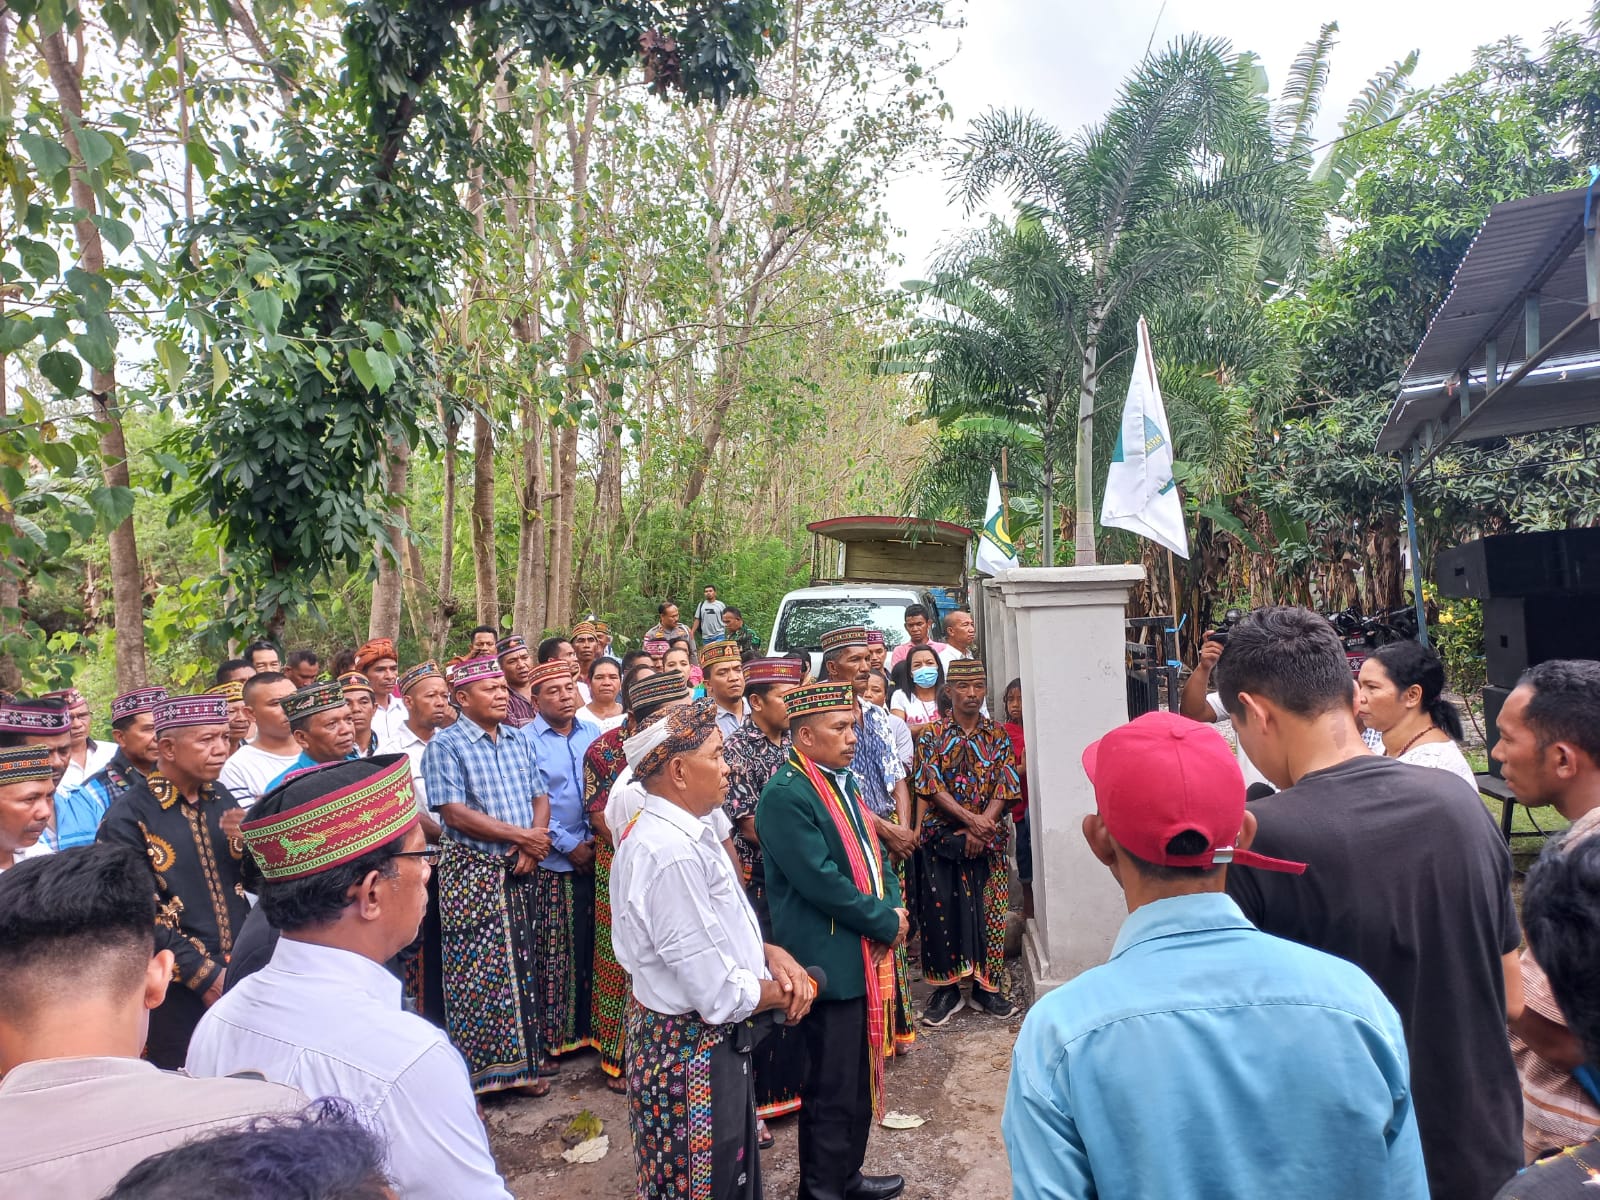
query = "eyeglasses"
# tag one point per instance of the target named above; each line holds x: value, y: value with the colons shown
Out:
x: 430, y: 856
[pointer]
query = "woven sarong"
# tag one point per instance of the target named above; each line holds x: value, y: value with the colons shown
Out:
x: 563, y: 918
x: 487, y: 955
x: 691, y: 1108
x: 609, y: 1005
x: 963, y: 906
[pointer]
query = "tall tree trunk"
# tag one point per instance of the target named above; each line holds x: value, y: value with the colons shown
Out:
x: 10, y: 581
x: 127, y: 581
x: 444, y: 614
x: 485, y: 570
x: 530, y: 603
x: 1083, y: 473
x: 383, y: 620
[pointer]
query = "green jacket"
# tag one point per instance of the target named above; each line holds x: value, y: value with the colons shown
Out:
x: 818, y: 913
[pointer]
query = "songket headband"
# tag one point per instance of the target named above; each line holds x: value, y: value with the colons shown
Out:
x: 375, y: 651
x: 140, y: 700
x: 585, y: 627
x: 656, y: 647
x: 653, y: 691
x: 965, y: 668
x: 22, y: 763
x: 510, y: 644
x: 713, y: 653
x: 838, y: 639
x: 178, y: 712
x: 309, y: 701
x: 423, y: 670
x: 232, y: 691
x: 355, y: 681
x: 35, y: 718
x: 472, y: 670
x: 684, y: 731
x: 816, y: 698
x: 602, y: 629
x: 330, y: 829
x: 554, y: 669
x: 773, y: 670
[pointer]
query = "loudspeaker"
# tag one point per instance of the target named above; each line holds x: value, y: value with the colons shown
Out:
x: 1494, y: 699
x: 1522, y: 564
x: 1517, y: 633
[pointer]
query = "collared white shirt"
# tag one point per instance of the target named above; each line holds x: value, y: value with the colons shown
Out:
x: 405, y: 741
x: 330, y: 1023
x: 38, y: 850
x: 729, y: 722
x: 388, y: 720
x: 680, y: 921
x: 95, y: 756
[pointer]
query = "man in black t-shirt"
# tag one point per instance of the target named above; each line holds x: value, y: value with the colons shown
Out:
x: 1408, y: 878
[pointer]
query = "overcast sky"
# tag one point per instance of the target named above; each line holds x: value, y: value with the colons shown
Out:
x: 1065, y: 58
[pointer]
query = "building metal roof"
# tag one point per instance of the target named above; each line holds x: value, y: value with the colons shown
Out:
x: 1530, y: 275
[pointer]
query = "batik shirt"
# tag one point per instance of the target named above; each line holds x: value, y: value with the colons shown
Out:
x: 80, y: 811
x: 877, y: 764
x: 200, y: 900
x: 752, y: 760
x: 519, y: 711
x: 602, y: 763
x: 975, y: 768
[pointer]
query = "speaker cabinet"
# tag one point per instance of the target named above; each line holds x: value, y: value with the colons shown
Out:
x: 1517, y: 633
x: 1494, y: 699
x: 1522, y: 564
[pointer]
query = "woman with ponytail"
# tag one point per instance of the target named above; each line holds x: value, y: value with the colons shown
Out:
x: 1400, y: 693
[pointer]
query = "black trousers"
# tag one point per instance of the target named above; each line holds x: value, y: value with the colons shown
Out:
x: 836, y: 1108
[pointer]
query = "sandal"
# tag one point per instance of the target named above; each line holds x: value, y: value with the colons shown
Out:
x: 619, y: 1086
x: 764, y: 1138
x: 537, y: 1089
x: 549, y: 1069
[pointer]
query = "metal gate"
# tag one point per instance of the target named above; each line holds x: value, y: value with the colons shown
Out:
x: 1152, y: 665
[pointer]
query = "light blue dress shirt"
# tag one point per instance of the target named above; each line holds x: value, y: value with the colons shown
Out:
x: 1210, y: 1061
x: 561, y: 759
x: 498, y: 776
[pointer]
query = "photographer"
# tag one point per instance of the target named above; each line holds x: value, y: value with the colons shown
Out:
x: 1200, y: 703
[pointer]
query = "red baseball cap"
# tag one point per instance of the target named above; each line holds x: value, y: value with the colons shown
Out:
x: 1161, y: 775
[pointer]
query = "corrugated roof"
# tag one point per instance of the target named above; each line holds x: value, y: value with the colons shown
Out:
x: 1525, y: 246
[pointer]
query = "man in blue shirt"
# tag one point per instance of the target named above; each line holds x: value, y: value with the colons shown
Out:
x: 1206, y: 1060
x: 564, y: 895
x: 133, y: 727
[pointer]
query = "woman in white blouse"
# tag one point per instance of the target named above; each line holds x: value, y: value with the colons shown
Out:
x: 918, y: 702
x: 1400, y: 693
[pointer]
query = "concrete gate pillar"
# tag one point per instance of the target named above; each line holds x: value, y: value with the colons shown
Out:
x: 1069, y: 647
x: 998, y: 647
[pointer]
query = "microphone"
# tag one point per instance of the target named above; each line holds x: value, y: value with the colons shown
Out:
x: 818, y: 977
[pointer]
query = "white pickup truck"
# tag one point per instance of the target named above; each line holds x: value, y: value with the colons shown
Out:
x: 808, y: 613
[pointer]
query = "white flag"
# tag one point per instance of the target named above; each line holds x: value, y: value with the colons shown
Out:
x: 996, y: 551
x: 1141, y: 494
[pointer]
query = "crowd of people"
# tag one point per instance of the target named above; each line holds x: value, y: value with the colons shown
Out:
x: 473, y: 874
x: 353, y: 903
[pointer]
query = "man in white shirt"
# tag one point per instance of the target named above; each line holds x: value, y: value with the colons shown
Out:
x: 723, y: 666
x: 960, y: 636
x: 427, y: 700
x: 345, y: 883
x: 79, y: 975
x: 254, y: 765
x: 379, y: 663
x: 685, y: 932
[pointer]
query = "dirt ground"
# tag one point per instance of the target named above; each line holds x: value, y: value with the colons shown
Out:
x: 955, y: 1079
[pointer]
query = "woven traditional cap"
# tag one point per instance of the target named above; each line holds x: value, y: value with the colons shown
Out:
x: 713, y: 653
x: 355, y: 681
x: 232, y: 691
x: 874, y: 637
x: 178, y: 712
x: 773, y: 670
x: 838, y: 639
x: 375, y: 651
x: 650, y: 693
x: 22, y: 763
x: 545, y: 672
x: 331, y: 814
x: 140, y: 700
x: 602, y: 629
x: 816, y: 698
x: 309, y: 701
x: 510, y: 644
x: 70, y: 696
x: 964, y: 668
x: 423, y: 670
x: 583, y: 627
x: 656, y: 647
x: 471, y: 670
x: 36, y: 718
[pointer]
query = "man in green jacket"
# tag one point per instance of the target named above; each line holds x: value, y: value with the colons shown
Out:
x: 835, y: 905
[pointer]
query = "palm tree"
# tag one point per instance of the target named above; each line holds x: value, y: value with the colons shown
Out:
x: 1181, y: 177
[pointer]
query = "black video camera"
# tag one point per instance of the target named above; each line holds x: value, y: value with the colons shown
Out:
x: 1229, y: 619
